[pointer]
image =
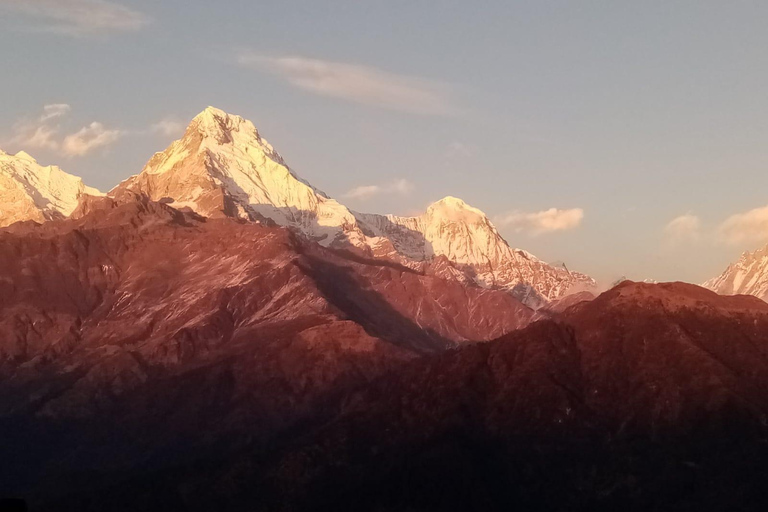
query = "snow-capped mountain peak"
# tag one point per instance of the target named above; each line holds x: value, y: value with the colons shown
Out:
x: 30, y: 191
x: 23, y: 155
x: 748, y: 276
x: 222, y: 166
x: 216, y: 125
x: 451, y: 202
x: 466, y: 237
x: 453, y: 209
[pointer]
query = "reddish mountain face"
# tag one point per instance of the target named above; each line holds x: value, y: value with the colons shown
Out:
x: 650, y: 397
x: 641, y: 357
x: 663, y: 356
x: 154, y: 360
x: 134, y: 332
x: 134, y: 289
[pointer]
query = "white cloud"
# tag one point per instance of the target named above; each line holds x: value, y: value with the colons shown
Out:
x: 363, y: 192
x: 400, y: 186
x: 684, y: 227
x: 88, y: 139
x: 33, y: 136
x: 545, y: 221
x: 55, y: 110
x: 79, y: 17
x: 42, y: 132
x: 168, y: 127
x: 751, y: 226
x: 357, y: 83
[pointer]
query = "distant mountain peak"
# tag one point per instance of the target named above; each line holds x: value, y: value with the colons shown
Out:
x: 25, y: 156
x: 213, y: 115
x: 229, y: 129
x: 213, y: 112
x: 455, y: 210
x: 215, y: 122
x: 450, y: 202
x: 222, y: 166
x: 466, y: 237
x: 29, y: 191
x: 748, y: 276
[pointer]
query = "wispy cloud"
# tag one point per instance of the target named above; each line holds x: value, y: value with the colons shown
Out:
x: 35, y: 136
x: 357, y: 83
x: 79, y: 17
x: 686, y: 227
x: 460, y: 151
x: 363, y: 192
x: 545, y: 221
x: 400, y: 186
x: 88, y: 139
x: 54, y: 111
x: 43, y: 131
x: 750, y: 226
x: 168, y: 127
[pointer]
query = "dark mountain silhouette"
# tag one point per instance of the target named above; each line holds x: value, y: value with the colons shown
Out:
x: 151, y: 359
x: 135, y: 335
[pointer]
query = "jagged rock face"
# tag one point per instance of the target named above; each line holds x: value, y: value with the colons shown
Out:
x: 29, y: 191
x: 222, y: 166
x: 748, y: 276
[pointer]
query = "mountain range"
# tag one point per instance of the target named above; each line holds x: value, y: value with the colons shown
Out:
x: 158, y: 360
x: 223, y: 167
x: 216, y: 334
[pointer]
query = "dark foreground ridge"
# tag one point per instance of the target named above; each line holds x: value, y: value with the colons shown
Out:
x: 153, y: 360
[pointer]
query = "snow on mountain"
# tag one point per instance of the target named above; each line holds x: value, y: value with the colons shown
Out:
x: 748, y: 276
x: 29, y: 191
x: 467, y: 238
x: 222, y: 166
x: 449, y: 227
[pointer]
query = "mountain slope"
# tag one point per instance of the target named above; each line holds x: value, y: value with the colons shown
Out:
x: 29, y: 191
x: 149, y: 325
x: 222, y: 167
x: 748, y: 276
x: 649, y: 397
x: 139, y: 280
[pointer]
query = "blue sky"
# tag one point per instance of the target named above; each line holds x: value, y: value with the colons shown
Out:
x: 624, y: 138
